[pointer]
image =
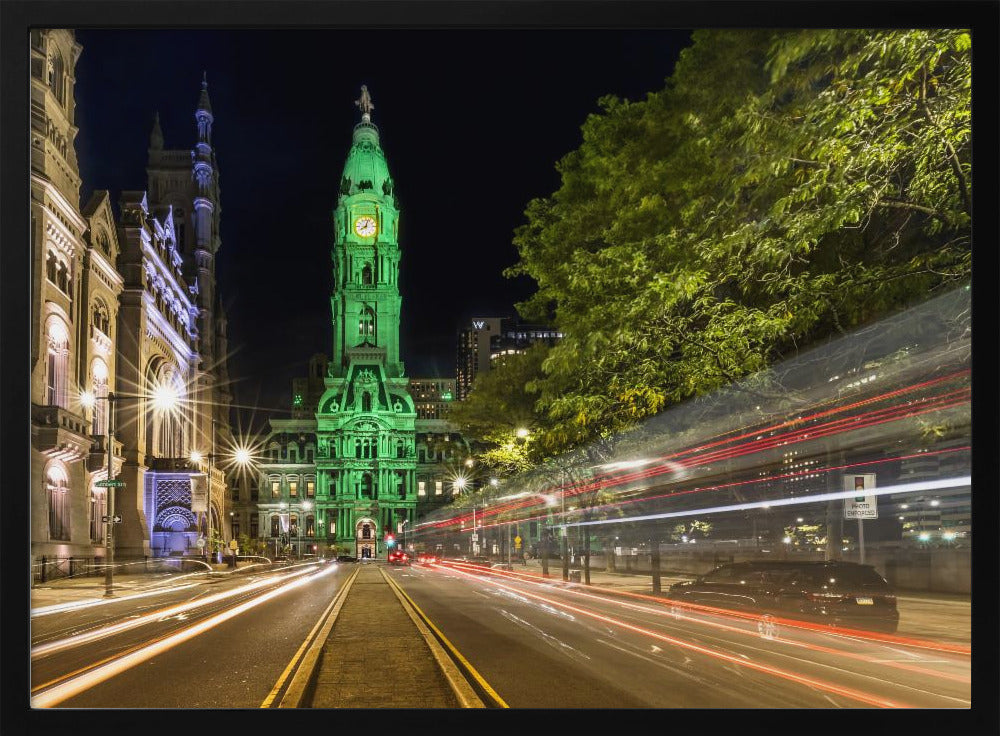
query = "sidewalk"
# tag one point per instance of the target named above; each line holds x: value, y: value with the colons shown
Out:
x: 375, y: 657
x: 83, y: 588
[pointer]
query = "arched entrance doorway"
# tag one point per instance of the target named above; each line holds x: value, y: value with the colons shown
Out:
x: 365, y: 535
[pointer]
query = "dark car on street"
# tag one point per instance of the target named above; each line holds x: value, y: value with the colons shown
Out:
x: 346, y: 558
x: 841, y: 593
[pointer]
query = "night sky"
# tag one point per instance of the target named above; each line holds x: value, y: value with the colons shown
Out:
x: 472, y: 123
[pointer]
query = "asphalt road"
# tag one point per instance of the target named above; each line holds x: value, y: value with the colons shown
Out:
x: 549, y: 645
x: 229, y: 663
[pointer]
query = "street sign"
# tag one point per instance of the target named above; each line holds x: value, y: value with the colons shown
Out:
x: 233, y: 544
x: 114, y: 483
x: 117, y: 519
x: 475, y: 537
x: 862, y: 506
x: 517, y: 542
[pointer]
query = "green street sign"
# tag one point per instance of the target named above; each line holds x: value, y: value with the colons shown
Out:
x: 110, y: 483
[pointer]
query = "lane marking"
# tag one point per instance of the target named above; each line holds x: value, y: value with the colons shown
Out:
x: 451, y: 647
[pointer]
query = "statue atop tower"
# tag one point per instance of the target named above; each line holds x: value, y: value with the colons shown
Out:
x: 365, y: 103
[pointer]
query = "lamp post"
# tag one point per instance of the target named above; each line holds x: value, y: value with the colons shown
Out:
x: 305, y: 506
x: 565, y: 540
x: 402, y: 529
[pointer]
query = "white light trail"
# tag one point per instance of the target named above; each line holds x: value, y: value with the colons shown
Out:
x: 72, y: 687
x: 162, y: 613
x: 920, y: 487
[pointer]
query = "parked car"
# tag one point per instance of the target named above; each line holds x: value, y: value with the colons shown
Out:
x: 841, y: 593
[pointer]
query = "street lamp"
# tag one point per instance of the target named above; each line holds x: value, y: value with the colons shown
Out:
x: 402, y: 529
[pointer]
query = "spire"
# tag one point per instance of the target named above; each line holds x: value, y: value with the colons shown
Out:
x: 156, y: 135
x: 203, y: 103
x: 204, y: 115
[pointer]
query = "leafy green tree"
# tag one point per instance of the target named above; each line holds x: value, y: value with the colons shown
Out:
x: 782, y: 187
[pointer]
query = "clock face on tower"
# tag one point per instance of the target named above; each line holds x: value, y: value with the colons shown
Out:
x: 365, y: 226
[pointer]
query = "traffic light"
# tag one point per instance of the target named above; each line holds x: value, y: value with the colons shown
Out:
x: 390, y: 540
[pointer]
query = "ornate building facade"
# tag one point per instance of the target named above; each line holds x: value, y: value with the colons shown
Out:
x: 128, y: 343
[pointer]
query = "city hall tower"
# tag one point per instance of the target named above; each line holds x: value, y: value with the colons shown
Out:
x: 366, y: 463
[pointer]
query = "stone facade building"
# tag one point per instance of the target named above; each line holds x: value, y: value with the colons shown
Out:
x: 128, y: 342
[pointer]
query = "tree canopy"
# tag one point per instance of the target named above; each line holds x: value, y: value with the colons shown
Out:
x: 783, y: 186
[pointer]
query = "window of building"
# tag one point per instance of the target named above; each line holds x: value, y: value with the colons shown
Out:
x: 275, y: 489
x: 421, y: 488
x: 57, y: 486
x: 254, y: 525
x: 98, y: 508
x: 293, y: 525
x: 366, y: 531
x: 438, y: 487
x: 310, y: 526
x: 367, y: 489
x: 293, y: 488
x: 310, y: 489
x: 235, y: 493
x: 366, y: 401
x: 275, y: 525
x: 236, y: 527
x: 56, y: 366
x: 309, y: 454
x: 99, y: 387
x: 254, y: 491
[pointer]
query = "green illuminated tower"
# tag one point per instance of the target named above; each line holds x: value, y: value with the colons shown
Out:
x: 366, y: 463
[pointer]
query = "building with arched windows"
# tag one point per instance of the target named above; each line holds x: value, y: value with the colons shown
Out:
x: 127, y: 337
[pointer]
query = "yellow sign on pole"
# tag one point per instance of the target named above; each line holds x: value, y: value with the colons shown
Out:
x: 517, y: 542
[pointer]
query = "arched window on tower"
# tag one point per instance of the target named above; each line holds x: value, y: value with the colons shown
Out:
x: 57, y: 74
x: 366, y: 323
x: 366, y: 401
x: 367, y: 277
x: 367, y: 486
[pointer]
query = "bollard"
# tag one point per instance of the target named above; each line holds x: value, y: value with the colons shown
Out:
x: 71, y: 567
x: 43, y: 568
